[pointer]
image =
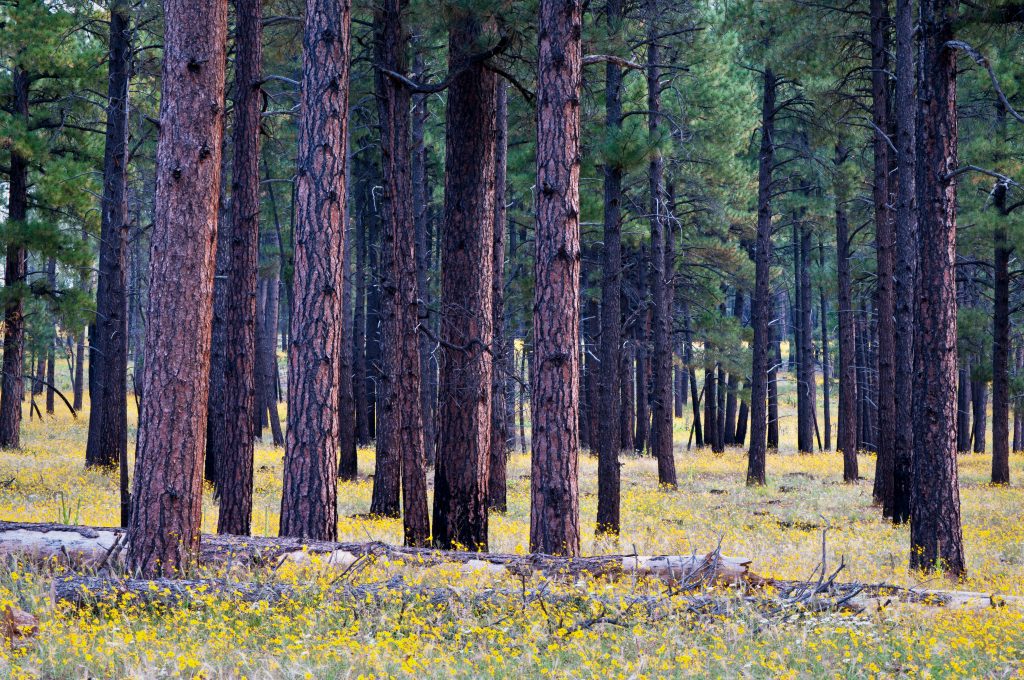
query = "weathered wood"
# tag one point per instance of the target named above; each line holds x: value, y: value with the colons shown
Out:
x: 96, y: 547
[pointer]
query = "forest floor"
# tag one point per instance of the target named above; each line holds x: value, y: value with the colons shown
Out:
x: 584, y: 634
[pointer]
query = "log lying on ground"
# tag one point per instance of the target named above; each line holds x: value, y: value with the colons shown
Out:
x: 99, y: 547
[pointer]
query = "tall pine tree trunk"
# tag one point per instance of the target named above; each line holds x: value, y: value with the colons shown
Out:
x: 400, y: 432
x: 762, y: 303
x: 497, y: 482
x: 235, y: 465
x: 936, y: 538
x: 554, y: 507
x: 464, y: 395
x: 309, y: 498
x: 906, y: 263
x: 609, y: 440
x: 163, y: 534
x: 847, y: 437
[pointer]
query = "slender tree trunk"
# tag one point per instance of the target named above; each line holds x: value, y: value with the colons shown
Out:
x: 235, y: 463
x: 168, y: 485
x: 884, y: 247
x: 1018, y: 403
x: 464, y: 406
x: 359, y: 369
x: 847, y: 426
x: 732, y: 398
x: 936, y: 537
x: 826, y: 357
x: 963, y: 406
x: 761, y: 301
x: 498, y: 484
x: 773, y: 385
x: 348, y: 461
x: 741, y: 424
x: 108, y: 420
x: 711, y: 406
x: 309, y: 498
x: 400, y: 420
x: 610, y: 438
x: 215, y: 413
x: 269, y: 322
x: 1001, y: 332
x: 979, y: 408
x: 661, y: 369
x: 906, y: 263
x: 554, y: 508
x: 698, y: 431
x: 627, y: 395
x: 641, y: 333
x: 51, y: 282
x: 806, y: 329
x: 421, y: 218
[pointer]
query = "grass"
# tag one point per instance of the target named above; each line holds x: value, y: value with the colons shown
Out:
x: 320, y: 635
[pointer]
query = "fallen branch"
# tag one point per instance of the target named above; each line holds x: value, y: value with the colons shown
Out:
x: 96, y: 547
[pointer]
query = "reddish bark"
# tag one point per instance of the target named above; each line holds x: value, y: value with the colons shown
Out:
x: 235, y: 463
x: 309, y: 500
x: 400, y: 429
x: 167, y: 495
x: 464, y: 393
x: 936, y: 538
x: 554, y: 509
x: 502, y: 355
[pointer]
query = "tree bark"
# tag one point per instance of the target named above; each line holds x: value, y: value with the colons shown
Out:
x: 309, y: 497
x: 847, y: 426
x: 979, y: 409
x: 761, y: 302
x: 359, y: 368
x: 235, y: 463
x: 502, y: 357
x: 661, y: 369
x: 421, y: 208
x: 464, y: 395
x: 732, y: 396
x: 963, y: 406
x: 826, y: 357
x: 167, y: 495
x: 108, y: 418
x: 400, y: 420
x: 16, y: 269
x: 906, y: 263
x: 936, y: 537
x: 610, y: 438
x: 554, y: 508
x: 884, y: 248
x: 1001, y: 331
x: 698, y: 430
x: 806, y: 348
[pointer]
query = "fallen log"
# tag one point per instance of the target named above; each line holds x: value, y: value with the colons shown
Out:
x: 97, y: 548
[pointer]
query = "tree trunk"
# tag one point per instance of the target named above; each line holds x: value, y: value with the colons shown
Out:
x: 215, y: 414
x: 309, y: 496
x: 761, y: 302
x: 498, y: 484
x: 698, y: 431
x: 610, y: 438
x: 826, y: 357
x: 741, y: 425
x: 269, y: 322
x: 360, y: 376
x: 847, y: 426
x: 348, y: 460
x: 14, y: 277
x: 936, y: 538
x: 400, y: 421
x: 661, y: 369
x: 554, y: 507
x: 235, y: 462
x: 51, y: 282
x: 884, y: 248
x: 1001, y: 332
x: 979, y: 408
x: 464, y: 396
x: 108, y: 419
x: 421, y: 218
x: 168, y: 488
x: 1018, y: 403
x: 627, y: 395
x: 711, y: 406
x: 906, y: 263
x: 963, y: 406
x: 806, y: 330
x: 732, y: 396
